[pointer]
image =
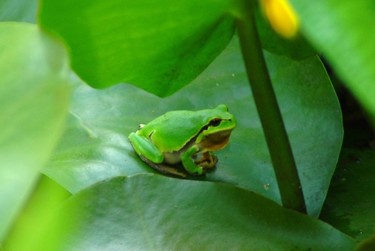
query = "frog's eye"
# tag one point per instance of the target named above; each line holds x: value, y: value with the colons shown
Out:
x: 215, y: 122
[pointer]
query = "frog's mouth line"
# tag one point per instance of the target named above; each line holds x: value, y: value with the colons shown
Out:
x: 215, y: 141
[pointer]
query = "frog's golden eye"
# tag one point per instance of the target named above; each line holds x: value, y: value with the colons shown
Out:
x: 215, y: 122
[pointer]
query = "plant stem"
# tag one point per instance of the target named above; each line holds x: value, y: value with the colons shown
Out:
x: 269, y: 112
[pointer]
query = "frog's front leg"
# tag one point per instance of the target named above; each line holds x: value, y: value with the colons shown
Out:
x: 188, y: 161
x: 145, y: 148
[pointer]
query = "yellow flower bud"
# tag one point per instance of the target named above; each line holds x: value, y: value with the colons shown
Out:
x: 281, y: 16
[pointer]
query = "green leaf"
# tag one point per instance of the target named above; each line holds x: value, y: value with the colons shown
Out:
x: 350, y: 201
x: 342, y: 31
x: 33, y: 101
x: 18, y: 10
x: 150, y: 212
x: 159, y: 46
x: 40, y: 210
x: 95, y: 145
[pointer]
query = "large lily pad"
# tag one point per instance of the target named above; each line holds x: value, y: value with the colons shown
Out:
x: 95, y: 145
x: 34, y: 102
x: 150, y: 212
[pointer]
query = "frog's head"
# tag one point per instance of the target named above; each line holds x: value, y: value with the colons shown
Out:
x: 215, y: 135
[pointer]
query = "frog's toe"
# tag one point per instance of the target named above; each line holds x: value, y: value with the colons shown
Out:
x: 198, y: 171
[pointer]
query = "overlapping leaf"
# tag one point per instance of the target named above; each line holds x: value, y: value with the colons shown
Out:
x: 150, y: 212
x: 342, y: 31
x: 159, y: 46
x: 34, y: 101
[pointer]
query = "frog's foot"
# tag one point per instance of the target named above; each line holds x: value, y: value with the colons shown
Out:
x: 207, y: 161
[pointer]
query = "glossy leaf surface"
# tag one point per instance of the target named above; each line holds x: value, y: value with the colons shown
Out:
x: 159, y: 46
x: 151, y: 212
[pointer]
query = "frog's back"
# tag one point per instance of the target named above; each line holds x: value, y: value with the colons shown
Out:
x: 174, y: 129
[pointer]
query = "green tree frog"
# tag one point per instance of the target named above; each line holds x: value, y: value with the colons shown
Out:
x: 180, y: 143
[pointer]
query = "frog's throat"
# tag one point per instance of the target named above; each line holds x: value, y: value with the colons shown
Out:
x: 215, y: 141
